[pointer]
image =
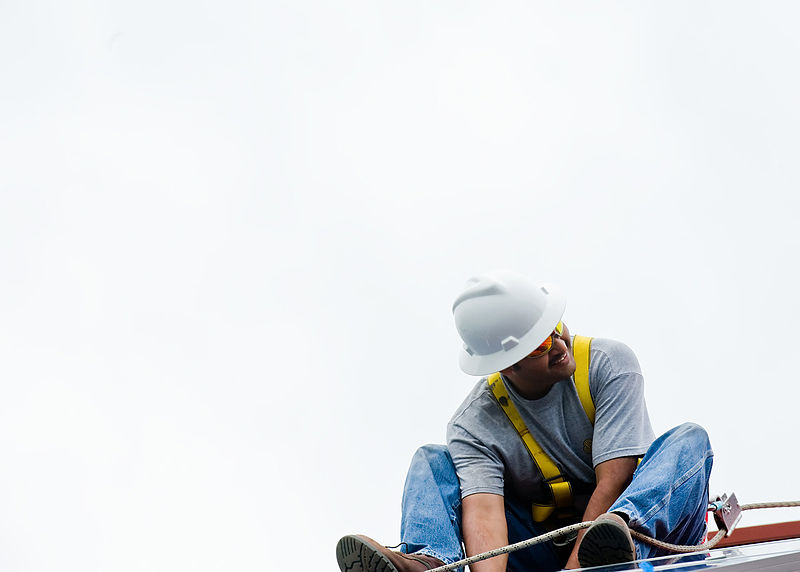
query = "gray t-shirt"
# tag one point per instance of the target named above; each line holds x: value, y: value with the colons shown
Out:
x: 489, y: 454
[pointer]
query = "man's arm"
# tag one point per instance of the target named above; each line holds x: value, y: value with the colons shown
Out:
x: 613, y: 476
x: 483, y: 518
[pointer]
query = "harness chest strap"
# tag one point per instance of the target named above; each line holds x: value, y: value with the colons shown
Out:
x: 560, y: 488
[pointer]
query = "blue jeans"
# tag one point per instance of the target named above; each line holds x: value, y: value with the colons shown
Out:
x: 666, y: 499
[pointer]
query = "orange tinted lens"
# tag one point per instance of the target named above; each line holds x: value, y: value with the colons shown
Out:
x: 544, y: 348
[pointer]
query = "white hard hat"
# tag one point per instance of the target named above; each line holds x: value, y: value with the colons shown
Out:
x: 501, y: 318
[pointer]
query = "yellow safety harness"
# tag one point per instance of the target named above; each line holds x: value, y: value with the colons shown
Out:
x: 559, y: 486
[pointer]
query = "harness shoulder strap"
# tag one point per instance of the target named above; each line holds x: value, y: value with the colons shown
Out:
x: 560, y: 487
x: 581, y: 348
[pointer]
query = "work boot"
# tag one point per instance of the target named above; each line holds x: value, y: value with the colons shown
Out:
x: 357, y: 553
x: 607, y: 541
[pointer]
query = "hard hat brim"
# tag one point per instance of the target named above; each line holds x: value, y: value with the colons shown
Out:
x: 490, y: 363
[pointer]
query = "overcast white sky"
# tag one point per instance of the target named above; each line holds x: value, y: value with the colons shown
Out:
x: 230, y: 235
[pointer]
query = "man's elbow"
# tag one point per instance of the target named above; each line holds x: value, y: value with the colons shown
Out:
x: 614, y: 475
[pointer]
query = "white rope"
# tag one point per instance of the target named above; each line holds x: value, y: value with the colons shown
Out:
x: 581, y: 525
x: 779, y: 504
x: 708, y: 545
x: 513, y: 547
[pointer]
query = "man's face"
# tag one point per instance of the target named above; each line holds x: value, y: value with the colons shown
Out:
x: 534, y: 376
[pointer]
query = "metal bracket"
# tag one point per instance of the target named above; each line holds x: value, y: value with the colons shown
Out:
x: 727, y: 512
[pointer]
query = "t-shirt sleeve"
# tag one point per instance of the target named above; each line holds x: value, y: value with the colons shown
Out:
x: 622, y: 424
x: 478, y: 467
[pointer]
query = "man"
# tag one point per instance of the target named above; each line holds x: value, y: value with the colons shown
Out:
x: 541, y: 444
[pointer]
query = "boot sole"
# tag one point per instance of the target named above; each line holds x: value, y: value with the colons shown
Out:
x: 355, y: 554
x: 605, y: 543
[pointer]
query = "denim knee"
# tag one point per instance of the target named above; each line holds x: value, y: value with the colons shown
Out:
x: 432, y: 450
x: 436, y: 456
x: 691, y: 436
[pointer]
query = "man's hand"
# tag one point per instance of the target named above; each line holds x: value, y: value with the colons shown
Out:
x: 613, y: 476
x: 483, y: 517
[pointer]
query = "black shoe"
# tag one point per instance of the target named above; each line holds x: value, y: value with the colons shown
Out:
x: 607, y: 541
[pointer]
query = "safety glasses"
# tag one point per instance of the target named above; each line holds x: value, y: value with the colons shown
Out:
x: 547, y: 345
